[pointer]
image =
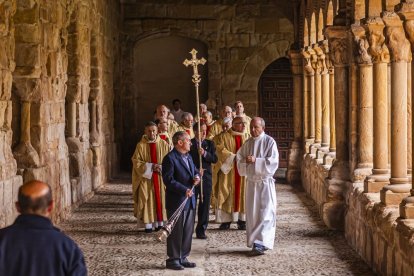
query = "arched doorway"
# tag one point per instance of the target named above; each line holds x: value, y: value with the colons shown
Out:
x: 276, y: 105
x: 158, y: 77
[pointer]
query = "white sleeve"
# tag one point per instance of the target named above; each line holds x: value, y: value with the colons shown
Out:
x: 241, y: 162
x: 148, y: 171
x: 267, y: 166
x: 228, y: 164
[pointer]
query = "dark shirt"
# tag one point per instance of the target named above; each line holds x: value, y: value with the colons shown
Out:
x: 33, y: 246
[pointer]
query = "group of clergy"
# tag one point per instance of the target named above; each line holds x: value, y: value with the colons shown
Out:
x: 228, y: 133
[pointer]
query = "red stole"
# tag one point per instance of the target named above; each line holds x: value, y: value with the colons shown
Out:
x: 208, y: 128
x: 237, y: 178
x: 164, y: 137
x: 188, y: 132
x: 155, y: 180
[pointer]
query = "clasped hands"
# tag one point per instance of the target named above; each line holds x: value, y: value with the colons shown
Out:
x: 250, y: 159
x: 156, y: 168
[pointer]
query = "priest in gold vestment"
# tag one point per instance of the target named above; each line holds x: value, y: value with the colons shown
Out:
x: 230, y: 200
x: 187, y: 124
x: 147, y: 186
x: 216, y: 127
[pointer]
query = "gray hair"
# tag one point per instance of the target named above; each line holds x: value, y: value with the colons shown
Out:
x: 227, y: 120
x: 179, y: 135
x: 209, y: 113
x: 260, y: 119
x: 185, y: 115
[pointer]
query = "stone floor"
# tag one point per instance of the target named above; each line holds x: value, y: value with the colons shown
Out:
x: 106, y: 231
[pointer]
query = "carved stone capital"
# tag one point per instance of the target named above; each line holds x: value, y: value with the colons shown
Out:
x: 320, y: 59
x: 376, y: 39
x: 296, y: 61
x: 307, y: 62
x: 361, y: 44
x: 324, y: 45
x: 396, y: 41
x: 338, y: 45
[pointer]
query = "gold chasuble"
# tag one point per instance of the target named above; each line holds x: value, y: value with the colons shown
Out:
x: 147, y: 186
x: 230, y: 185
x: 215, y: 129
x: 186, y: 129
x: 172, y: 128
x: 215, y: 168
x: 167, y: 138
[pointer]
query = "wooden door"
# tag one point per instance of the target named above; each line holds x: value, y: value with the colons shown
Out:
x: 276, y: 105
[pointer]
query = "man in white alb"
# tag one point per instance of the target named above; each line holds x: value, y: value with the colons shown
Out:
x: 258, y: 160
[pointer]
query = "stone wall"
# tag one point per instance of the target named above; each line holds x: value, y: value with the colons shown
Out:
x: 242, y: 37
x: 49, y: 83
x: 376, y: 232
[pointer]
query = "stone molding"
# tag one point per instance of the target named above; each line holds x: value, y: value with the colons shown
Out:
x: 376, y: 39
x: 296, y: 61
x: 307, y: 63
x: 398, y: 44
x: 338, y: 45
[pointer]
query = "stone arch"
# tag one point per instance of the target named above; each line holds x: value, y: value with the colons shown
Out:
x: 313, y: 34
x: 139, y: 81
x: 330, y: 14
x: 248, y: 88
x: 320, y: 36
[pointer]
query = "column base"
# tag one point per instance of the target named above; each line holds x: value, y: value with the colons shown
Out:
x: 321, y: 152
x: 374, y: 183
x: 293, y: 174
x: 393, y: 194
x: 360, y: 174
x: 407, y: 208
x: 313, y: 149
x: 308, y: 143
x: 329, y: 158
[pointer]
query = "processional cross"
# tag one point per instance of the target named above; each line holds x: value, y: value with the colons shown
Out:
x: 194, y: 62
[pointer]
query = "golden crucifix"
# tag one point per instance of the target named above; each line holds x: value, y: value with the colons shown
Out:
x: 194, y: 62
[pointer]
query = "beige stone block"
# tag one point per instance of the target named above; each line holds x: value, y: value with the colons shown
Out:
x: 266, y: 26
x: 372, y: 186
x: 29, y: 55
x: 235, y: 67
x: 284, y: 25
x: 27, y: 13
x: 203, y: 11
x: 6, y: 78
x: 179, y: 11
x: 390, y: 198
x: 4, y: 57
x: 210, y: 26
x: 237, y: 40
x: 226, y: 11
x: 27, y: 33
x: 245, y: 26
x: 247, y: 11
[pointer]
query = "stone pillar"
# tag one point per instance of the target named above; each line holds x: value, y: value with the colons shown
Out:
x: 309, y: 103
x: 399, y: 46
x: 380, y: 57
x: 365, y: 108
x: 94, y: 135
x: 338, y: 177
x: 293, y: 174
x: 317, y: 67
x: 305, y: 109
x: 330, y: 157
x: 323, y: 47
x: 406, y: 11
x: 24, y: 153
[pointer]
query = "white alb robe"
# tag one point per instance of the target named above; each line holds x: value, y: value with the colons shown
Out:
x: 260, y: 188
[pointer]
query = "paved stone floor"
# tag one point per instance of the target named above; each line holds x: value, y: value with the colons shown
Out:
x: 106, y: 230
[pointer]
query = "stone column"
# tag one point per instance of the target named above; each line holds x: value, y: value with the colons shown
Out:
x: 293, y: 172
x: 365, y: 108
x: 317, y: 67
x: 94, y: 135
x: 309, y: 103
x: 322, y: 49
x: 406, y: 11
x: 380, y: 57
x: 399, y: 46
x: 25, y: 153
x: 338, y: 177
x: 329, y: 157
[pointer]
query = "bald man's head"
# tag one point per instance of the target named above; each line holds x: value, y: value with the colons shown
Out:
x: 35, y: 197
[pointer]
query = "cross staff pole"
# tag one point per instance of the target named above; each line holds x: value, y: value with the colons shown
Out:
x: 194, y: 62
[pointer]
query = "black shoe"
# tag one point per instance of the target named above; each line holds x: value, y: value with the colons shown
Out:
x: 174, y: 266
x: 201, y: 236
x: 158, y: 228
x: 148, y: 230
x: 186, y: 263
x: 241, y: 225
x: 256, y: 252
x: 224, y: 226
